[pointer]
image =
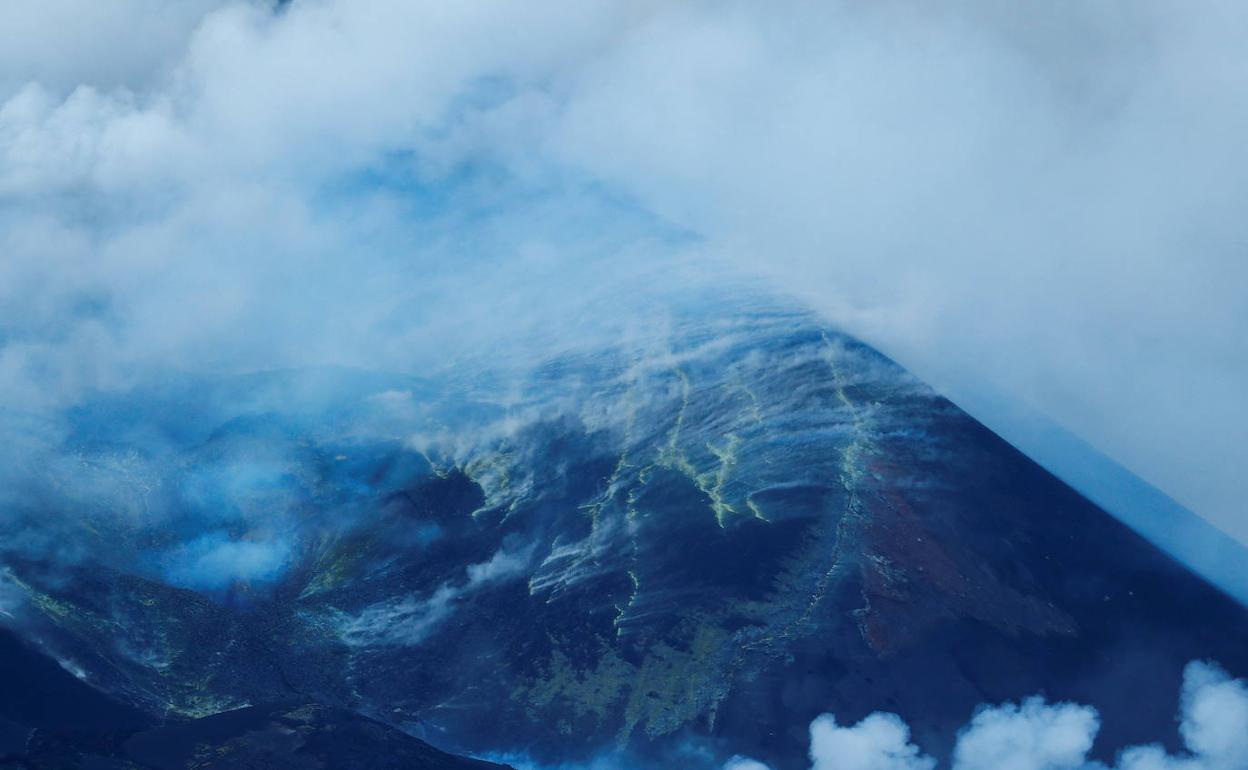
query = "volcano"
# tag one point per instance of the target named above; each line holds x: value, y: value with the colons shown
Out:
x: 668, y: 550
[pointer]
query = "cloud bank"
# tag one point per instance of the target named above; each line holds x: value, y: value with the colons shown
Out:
x: 1035, y: 735
x: 1039, y: 203
x: 1035, y: 201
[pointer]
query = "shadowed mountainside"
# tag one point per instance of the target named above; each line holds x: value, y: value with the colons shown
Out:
x: 703, y: 541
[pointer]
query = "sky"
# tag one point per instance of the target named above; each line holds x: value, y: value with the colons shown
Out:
x: 1039, y: 204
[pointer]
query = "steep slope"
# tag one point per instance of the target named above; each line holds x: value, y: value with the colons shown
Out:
x: 680, y: 549
x: 40, y: 695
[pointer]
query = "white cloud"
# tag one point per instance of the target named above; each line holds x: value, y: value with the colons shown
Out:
x: 879, y: 742
x: 1037, y: 202
x: 1004, y: 207
x: 1032, y: 735
x: 1214, y: 725
x: 1215, y: 715
x: 120, y: 43
x: 503, y: 564
x: 1035, y: 735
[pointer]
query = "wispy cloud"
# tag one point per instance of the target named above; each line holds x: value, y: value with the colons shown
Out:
x: 1041, y: 202
x: 408, y: 621
x: 215, y: 561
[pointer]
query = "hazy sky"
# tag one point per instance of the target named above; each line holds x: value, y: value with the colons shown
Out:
x: 1041, y: 202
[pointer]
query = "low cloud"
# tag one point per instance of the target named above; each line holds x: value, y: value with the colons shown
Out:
x: 879, y: 742
x: 1032, y: 735
x: 1038, y: 203
x: 1214, y: 725
x: 1036, y: 735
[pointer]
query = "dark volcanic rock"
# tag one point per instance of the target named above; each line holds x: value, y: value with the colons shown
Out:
x: 702, y: 542
x: 38, y: 693
x: 275, y: 737
x: 289, y: 737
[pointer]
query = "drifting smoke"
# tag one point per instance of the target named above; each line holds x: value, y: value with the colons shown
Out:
x: 1035, y: 735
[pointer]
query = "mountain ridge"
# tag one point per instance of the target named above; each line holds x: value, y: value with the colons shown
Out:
x: 707, y: 542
